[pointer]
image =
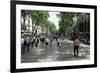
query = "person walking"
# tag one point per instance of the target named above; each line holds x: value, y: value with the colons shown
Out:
x: 47, y: 42
x: 22, y: 46
x: 59, y: 42
x: 36, y: 42
x: 27, y: 43
x: 76, y: 46
x: 33, y: 41
x: 51, y: 40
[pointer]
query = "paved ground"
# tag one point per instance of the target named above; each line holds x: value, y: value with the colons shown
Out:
x: 54, y: 53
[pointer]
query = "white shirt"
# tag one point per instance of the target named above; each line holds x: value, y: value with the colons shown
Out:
x: 22, y: 41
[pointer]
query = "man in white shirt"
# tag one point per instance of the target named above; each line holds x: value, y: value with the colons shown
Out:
x: 59, y: 42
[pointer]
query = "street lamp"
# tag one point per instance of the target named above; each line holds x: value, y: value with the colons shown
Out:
x: 75, y: 23
x: 74, y: 26
x: 75, y: 20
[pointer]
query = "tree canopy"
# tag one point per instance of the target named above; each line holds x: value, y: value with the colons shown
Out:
x: 39, y: 18
x: 66, y: 21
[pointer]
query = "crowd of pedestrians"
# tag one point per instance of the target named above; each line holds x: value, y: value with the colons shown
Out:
x: 28, y: 42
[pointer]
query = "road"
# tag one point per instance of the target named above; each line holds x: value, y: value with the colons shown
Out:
x: 52, y: 52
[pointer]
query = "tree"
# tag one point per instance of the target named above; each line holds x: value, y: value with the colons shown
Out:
x: 65, y: 22
x: 38, y: 19
x: 84, y: 24
x: 50, y: 27
x: 24, y: 15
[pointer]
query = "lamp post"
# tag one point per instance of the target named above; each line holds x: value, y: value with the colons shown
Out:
x: 75, y: 28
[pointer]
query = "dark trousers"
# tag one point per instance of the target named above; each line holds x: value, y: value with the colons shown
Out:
x: 36, y: 44
x: 46, y: 43
x: 22, y: 48
x: 76, y: 50
x: 58, y: 43
x: 28, y: 45
x: 32, y: 43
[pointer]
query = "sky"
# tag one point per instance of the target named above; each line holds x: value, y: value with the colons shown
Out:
x: 53, y: 18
